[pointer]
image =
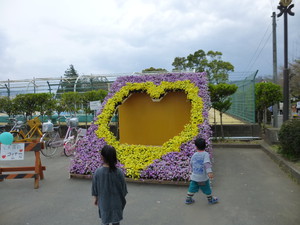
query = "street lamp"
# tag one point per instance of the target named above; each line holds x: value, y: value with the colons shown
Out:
x: 285, y: 7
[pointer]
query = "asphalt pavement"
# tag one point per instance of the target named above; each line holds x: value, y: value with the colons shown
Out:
x: 252, y: 190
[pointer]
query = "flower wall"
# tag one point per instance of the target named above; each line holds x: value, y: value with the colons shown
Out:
x: 167, y: 162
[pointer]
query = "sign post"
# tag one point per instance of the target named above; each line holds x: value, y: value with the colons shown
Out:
x: 95, y: 105
x: 16, y: 151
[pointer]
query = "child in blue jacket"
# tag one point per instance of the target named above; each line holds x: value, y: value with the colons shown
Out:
x: 201, y: 174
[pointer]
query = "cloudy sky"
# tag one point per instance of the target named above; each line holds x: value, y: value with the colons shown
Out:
x: 41, y: 38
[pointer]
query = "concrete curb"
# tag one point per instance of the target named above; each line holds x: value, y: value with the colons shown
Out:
x: 236, y: 145
x: 286, y: 166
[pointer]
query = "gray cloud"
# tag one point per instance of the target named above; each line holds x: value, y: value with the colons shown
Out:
x: 42, y: 39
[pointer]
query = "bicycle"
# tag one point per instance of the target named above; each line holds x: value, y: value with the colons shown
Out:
x: 51, y: 138
x: 19, y: 127
x: 72, y: 136
x: 2, y: 128
x: 71, y: 142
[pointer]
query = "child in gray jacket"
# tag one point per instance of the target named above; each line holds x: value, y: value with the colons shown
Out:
x: 109, y: 188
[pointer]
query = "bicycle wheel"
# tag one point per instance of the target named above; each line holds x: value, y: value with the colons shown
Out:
x: 18, y: 137
x: 49, y: 140
x: 69, y: 147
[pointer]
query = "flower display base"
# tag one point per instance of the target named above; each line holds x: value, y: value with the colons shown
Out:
x: 140, y: 181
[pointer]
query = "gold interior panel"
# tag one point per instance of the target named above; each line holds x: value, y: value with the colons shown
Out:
x: 144, y: 122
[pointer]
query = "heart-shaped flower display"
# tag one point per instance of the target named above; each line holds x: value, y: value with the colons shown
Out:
x: 168, y: 161
x: 137, y: 157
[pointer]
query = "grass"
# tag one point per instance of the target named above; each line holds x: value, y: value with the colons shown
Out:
x: 292, y: 159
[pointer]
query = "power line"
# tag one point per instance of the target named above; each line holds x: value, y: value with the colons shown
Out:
x: 259, y: 49
x: 250, y: 62
x: 267, y: 40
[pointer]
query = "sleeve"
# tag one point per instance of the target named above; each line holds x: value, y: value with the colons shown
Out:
x: 123, y: 183
x: 191, y: 162
x: 94, y: 185
x: 123, y: 187
x: 207, y: 164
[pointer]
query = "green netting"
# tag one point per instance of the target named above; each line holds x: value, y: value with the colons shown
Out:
x: 243, y: 100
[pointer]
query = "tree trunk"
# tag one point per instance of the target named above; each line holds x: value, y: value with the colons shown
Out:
x: 221, y: 121
x: 265, y: 116
x: 215, y: 123
x: 258, y: 118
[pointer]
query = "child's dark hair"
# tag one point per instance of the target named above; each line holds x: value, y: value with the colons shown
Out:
x: 109, y: 155
x: 200, y: 143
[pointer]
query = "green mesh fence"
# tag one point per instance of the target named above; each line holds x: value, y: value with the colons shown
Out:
x: 243, y: 100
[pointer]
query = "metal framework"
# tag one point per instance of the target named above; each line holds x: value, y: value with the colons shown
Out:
x: 10, y: 88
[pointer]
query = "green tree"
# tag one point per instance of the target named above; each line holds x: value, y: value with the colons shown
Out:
x: 217, y: 69
x: 6, y: 105
x: 179, y: 64
x: 266, y: 95
x: 25, y: 104
x: 89, y: 96
x: 211, y: 62
x: 45, y: 103
x: 68, y: 82
x: 28, y: 104
x: 197, y: 61
x: 152, y: 69
x: 219, y: 94
x: 294, y: 75
x: 295, y: 79
x: 71, y: 101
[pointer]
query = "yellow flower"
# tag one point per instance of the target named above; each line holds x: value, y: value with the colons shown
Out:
x: 138, y: 157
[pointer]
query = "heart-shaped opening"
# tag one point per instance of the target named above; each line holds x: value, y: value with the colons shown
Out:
x: 143, y: 121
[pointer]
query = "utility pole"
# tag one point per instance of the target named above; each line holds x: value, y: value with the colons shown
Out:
x: 285, y: 8
x: 275, y: 79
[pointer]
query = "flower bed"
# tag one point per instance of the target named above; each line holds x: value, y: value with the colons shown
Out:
x: 167, y: 162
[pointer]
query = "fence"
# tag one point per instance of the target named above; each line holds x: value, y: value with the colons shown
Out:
x: 243, y: 100
x: 83, y: 83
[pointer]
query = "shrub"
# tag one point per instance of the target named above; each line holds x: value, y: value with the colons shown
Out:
x: 289, y: 138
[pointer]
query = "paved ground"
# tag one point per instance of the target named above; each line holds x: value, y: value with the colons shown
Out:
x: 252, y: 190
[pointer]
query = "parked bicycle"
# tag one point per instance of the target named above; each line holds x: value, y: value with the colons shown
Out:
x: 2, y: 128
x: 51, y: 138
x: 72, y: 136
x: 20, y: 133
x: 71, y: 143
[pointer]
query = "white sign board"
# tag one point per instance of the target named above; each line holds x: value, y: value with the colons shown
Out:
x: 95, y: 105
x: 12, y: 152
x: 280, y: 105
x: 298, y: 105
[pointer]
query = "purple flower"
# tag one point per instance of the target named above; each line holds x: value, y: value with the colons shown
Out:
x: 171, y: 166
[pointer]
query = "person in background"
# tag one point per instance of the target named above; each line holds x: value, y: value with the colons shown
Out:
x: 109, y: 188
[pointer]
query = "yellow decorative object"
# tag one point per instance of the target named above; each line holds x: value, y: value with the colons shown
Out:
x: 136, y: 157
